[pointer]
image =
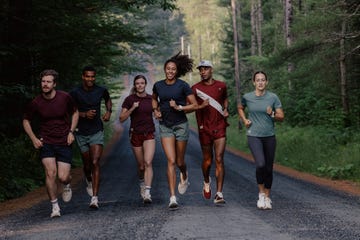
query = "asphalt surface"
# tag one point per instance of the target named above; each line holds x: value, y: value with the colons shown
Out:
x: 301, y: 210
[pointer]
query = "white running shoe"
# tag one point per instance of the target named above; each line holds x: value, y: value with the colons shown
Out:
x: 94, y: 202
x: 173, y: 203
x: 67, y: 193
x: 147, y: 197
x: 89, y: 188
x: 183, y: 184
x: 261, y: 201
x: 55, y: 212
x: 219, y: 198
x: 268, y: 202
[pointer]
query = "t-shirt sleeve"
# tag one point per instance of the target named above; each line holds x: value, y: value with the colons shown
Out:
x: 72, y: 104
x: 29, y: 111
x: 155, y: 89
x: 187, y: 90
x: 106, y: 95
x: 277, y: 102
x: 243, y: 101
x: 126, y: 103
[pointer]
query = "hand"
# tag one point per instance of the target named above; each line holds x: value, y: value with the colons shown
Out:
x: 226, y: 113
x: 135, y: 105
x: 269, y: 110
x: 173, y: 103
x: 106, y: 116
x: 70, y: 138
x: 247, y: 123
x: 157, y: 114
x: 90, y: 114
x: 205, y: 103
x: 38, y: 143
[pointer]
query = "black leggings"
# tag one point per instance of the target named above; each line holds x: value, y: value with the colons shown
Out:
x: 263, y: 151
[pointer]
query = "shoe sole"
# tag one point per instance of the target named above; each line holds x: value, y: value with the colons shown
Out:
x: 174, y: 208
x: 147, y: 201
x: 94, y: 207
x: 55, y: 215
x: 66, y: 200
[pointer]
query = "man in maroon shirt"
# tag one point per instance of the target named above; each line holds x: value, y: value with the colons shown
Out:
x: 58, y: 118
x: 211, y: 115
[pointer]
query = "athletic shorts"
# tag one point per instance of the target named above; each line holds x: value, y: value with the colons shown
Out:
x: 62, y: 153
x: 180, y: 131
x: 138, y: 139
x: 84, y: 142
x: 207, y: 137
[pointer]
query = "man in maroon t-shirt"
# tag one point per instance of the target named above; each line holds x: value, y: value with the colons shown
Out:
x: 58, y: 118
x: 211, y: 115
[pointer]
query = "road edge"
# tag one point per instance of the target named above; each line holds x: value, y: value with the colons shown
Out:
x: 339, y: 185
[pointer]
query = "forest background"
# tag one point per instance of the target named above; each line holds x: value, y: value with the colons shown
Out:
x: 309, y: 49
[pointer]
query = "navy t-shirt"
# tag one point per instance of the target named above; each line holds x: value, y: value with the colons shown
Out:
x: 178, y: 92
x: 90, y: 100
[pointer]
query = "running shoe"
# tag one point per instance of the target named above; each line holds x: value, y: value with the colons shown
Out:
x: 89, y: 188
x: 55, y: 212
x: 67, y: 193
x: 142, y: 189
x: 94, y: 203
x: 207, y: 189
x: 173, y: 205
x: 183, y: 184
x: 147, y: 197
x: 219, y: 198
x: 261, y: 201
x: 268, y: 202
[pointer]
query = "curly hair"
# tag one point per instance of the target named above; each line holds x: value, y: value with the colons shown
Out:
x: 183, y: 63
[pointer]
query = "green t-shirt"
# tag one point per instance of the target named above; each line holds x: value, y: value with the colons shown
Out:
x: 262, y: 124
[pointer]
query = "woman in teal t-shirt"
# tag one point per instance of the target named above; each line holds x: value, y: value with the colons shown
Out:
x: 264, y: 108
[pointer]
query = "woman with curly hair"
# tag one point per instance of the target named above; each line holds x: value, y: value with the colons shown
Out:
x: 169, y: 102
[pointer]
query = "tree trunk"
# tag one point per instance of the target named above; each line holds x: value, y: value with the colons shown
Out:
x: 253, y: 28
x: 236, y: 50
x: 343, y: 82
x: 259, y: 18
x: 288, y: 35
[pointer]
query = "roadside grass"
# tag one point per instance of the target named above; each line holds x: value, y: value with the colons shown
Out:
x: 317, y: 150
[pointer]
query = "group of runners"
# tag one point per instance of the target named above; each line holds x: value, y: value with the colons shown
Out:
x: 62, y: 115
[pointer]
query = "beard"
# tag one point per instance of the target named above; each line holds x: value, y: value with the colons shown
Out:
x: 47, y: 91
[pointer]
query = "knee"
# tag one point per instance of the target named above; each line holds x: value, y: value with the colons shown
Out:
x: 63, y: 178
x: 95, y: 161
x: 51, y: 174
x: 148, y: 164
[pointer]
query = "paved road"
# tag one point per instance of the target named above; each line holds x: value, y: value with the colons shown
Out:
x: 300, y: 210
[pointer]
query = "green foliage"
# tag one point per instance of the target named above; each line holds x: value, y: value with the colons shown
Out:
x: 113, y: 36
x: 337, y: 172
x: 21, y: 169
x: 322, y: 151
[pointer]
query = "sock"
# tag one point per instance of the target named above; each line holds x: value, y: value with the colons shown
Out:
x: 54, y: 203
x: 147, y: 189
